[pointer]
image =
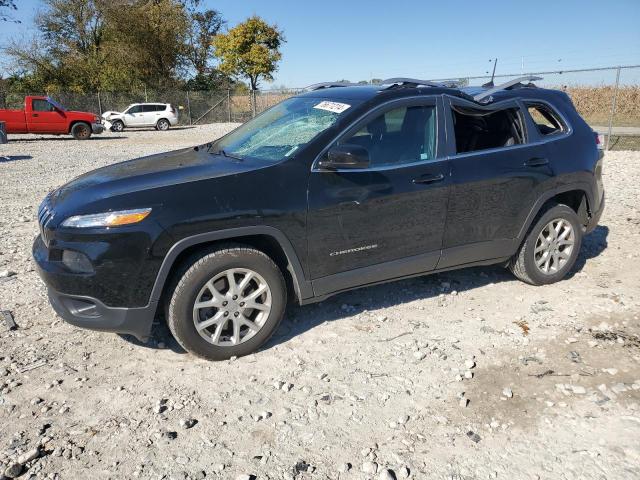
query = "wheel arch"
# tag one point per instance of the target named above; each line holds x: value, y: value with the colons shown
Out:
x: 578, y: 196
x: 267, y: 239
x: 73, y: 123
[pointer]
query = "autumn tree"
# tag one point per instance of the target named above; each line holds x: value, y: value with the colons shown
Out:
x: 250, y: 50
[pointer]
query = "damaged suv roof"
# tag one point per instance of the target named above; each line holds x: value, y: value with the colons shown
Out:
x: 395, y: 87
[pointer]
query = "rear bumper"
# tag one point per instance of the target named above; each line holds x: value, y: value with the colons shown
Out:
x: 97, y: 128
x: 595, y: 217
x: 90, y: 313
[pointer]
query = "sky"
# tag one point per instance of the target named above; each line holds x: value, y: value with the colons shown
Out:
x: 357, y: 40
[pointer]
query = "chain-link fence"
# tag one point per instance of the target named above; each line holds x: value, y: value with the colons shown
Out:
x: 195, y: 107
x: 608, y: 98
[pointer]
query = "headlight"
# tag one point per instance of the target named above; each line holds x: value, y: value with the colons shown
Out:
x: 107, y: 219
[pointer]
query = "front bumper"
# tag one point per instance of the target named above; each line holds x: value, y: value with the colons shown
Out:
x: 90, y: 313
x: 97, y: 128
x: 111, y: 299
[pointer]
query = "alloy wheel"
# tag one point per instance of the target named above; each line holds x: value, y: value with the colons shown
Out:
x: 554, y: 246
x: 232, y: 307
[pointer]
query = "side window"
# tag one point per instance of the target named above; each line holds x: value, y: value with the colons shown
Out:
x: 135, y: 109
x: 39, y: 105
x: 398, y: 136
x: 482, y: 130
x: 547, y: 120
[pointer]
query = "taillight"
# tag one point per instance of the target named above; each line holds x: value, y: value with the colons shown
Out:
x: 597, y: 138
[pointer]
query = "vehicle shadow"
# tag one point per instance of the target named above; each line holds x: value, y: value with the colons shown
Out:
x: 13, y: 158
x: 153, y: 129
x: 300, y: 319
x: 61, y: 139
x: 160, y: 338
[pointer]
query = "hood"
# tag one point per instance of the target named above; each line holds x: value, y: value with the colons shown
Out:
x: 146, y: 173
x: 109, y: 113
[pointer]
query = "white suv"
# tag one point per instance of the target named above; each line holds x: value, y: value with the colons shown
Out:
x: 158, y: 115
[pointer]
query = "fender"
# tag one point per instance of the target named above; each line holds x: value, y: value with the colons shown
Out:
x: 583, y: 186
x: 301, y: 285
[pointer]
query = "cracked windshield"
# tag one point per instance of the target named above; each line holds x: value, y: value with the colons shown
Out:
x: 282, y: 130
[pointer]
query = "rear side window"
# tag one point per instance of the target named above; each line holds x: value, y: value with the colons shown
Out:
x: 546, y: 119
x: 398, y: 136
x: 39, y: 105
x: 152, y: 108
x: 482, y: 130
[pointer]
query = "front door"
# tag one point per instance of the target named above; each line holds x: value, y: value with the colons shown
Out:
x: 134, y: 117
x: 45, y: 118
x: 387, y: 220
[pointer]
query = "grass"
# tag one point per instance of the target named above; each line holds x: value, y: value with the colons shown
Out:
x: 624, y: 142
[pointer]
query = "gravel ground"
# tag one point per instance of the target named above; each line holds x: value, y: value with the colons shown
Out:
x: 462, y: 375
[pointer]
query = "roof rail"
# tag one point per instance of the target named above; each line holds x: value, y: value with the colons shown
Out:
x: 318, y: 86
x: 392, y: 82
x: 504, y: 86
x: 410, y: 81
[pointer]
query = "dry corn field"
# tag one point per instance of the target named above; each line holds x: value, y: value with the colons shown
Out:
x: 594, y: 104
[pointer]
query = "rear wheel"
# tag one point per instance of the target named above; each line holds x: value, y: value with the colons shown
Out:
x: 81, y: 131
x: 163, y: 124
x: 227, y: 303
x: 550, y: 249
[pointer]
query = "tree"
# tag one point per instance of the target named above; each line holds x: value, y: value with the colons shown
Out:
x: 89, y: 45
x: 204, y: 26
x: 150, y: 37
x: 251, y: 50
x: 7, y: 5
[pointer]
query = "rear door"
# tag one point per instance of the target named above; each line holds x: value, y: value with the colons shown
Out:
x: 387, y: 220
x: 45, y: 118
x: 497, y: 169
x: 152, y: 113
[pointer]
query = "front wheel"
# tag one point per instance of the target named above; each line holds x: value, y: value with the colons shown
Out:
x: 81, y: 131
x: 550, y: 249
x: 163, y: 124
x: 117, y: 126
x: 227, y: 303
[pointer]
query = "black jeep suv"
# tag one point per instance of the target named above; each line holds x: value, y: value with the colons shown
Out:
x: 339, y: 187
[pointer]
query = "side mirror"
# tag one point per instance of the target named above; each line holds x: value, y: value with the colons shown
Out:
x: 347, y: 156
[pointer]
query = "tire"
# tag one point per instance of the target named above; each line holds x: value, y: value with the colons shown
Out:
x: 193, y: 283
x: 533, y: 251
x: 117, y: 126
x: 163, y: 124
x: 81, y: 131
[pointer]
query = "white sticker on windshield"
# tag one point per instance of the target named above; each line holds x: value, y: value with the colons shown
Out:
x: 334, y: 107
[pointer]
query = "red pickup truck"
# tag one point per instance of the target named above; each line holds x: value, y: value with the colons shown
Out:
x: 44, y: 115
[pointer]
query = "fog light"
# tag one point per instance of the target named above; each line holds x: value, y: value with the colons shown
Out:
x: 76, y: 262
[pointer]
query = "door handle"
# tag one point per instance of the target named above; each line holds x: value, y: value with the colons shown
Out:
x: 34, y: 114
x: 536, y: 162
x: 427, y: 179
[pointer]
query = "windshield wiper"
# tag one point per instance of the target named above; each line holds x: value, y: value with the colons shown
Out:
x: 225, y: 154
